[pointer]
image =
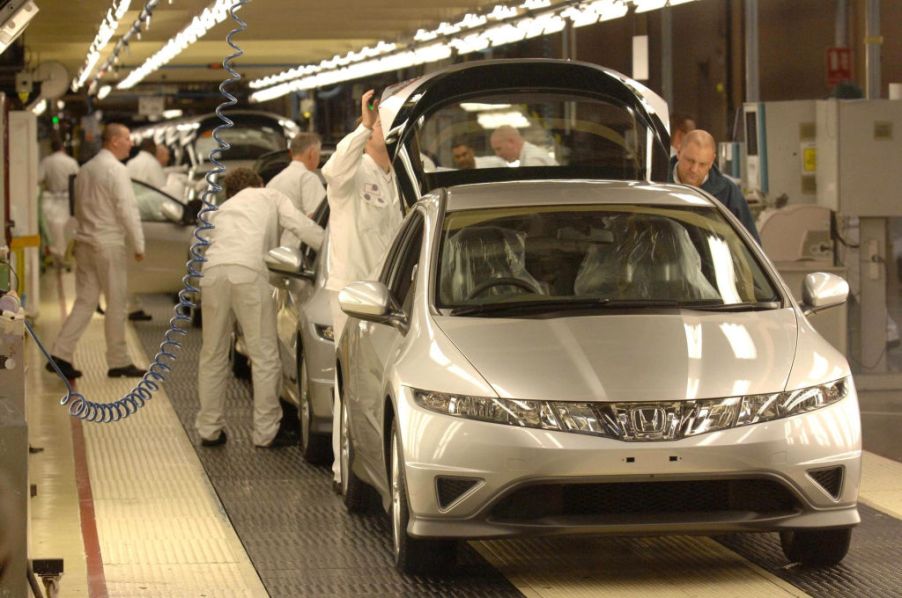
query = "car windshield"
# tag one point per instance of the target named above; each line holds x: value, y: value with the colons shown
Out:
x: 532, y: 133
x: 591, y: 256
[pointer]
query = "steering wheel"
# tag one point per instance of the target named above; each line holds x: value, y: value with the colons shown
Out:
x: 507, y: 281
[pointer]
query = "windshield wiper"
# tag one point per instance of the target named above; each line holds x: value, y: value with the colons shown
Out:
x: 557, y: 304
x: 747, y: 306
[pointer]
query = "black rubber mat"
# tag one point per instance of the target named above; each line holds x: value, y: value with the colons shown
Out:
x: 304, y: 543
x: 296, y: 531
x: 872, y: 568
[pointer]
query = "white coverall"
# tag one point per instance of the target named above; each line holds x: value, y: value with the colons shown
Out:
x: 53, y: 173
x: 365, y: 214
x: 107, y: 215
x: 235, y: 285
x: 303, y: 188
x: 146, y: 168
x: 533, y: 155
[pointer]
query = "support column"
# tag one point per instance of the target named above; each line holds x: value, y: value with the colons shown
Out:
x: 752, y: 93
x: 667, y: 55
x: 873, y: 43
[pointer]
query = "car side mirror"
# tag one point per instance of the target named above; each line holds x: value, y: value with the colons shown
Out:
x: 172, y: 212
x: 370, y: 301
x: 288, y: 261
x: 822, y: 290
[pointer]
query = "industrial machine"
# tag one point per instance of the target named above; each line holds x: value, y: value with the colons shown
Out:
x: 841, y: 155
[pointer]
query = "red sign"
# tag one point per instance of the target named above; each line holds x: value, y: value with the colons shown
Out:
x: 839, y: 65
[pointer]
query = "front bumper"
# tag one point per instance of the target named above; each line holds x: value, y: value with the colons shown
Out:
x: 505, y: 460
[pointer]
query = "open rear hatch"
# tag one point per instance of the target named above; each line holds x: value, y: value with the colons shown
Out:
x: 502, y: 120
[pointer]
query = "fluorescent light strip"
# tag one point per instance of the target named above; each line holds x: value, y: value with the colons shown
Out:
x: 135, y: 29
x: 473, y: 33
x: 108, y: 27
x: 211, y: 16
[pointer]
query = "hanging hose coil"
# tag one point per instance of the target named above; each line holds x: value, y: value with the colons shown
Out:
x: 179, y: 325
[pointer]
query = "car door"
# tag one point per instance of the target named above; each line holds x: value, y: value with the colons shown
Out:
x: 166, y: 244
x: 292, y: 292
x: 377, y: 344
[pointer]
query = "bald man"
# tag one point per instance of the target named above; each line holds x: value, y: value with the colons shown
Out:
x: 694, y: 165
x: 106, y: 211
x: 509, y: 145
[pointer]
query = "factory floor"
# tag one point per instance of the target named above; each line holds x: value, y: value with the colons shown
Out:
x: 137, y: 508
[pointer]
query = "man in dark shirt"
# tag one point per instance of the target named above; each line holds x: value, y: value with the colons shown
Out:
x: 694, y: 165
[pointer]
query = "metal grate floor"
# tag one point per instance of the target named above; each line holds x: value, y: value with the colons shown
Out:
x: 303, y: 542
x: 296, y: 531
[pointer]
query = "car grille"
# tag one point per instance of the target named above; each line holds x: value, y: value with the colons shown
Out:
x: 830, y: 479
x: 645, y: 498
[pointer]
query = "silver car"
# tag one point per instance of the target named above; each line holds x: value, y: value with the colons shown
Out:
x: 306, y: 345
x: 567, y: 355
x: 168, y: 225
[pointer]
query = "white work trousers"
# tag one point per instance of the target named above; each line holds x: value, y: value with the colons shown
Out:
x: 97, y: 269
x: 339, y: 319
x: 229, y: 293
x: 55, y: 208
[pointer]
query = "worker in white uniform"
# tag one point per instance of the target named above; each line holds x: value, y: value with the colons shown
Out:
x: 53, y: 176
x: 107, y: 217
x: 145, y: 167
x: 299, y: 180
x: 235, y: 285
x: 365, y: 213
x: 509, y: 144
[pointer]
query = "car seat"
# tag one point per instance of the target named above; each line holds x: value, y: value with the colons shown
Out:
x: 479, y: 254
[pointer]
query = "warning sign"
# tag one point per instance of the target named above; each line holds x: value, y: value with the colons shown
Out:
x: 839, y: 65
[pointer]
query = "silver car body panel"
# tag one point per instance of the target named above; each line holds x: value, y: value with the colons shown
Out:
x: 303, y: 306
x: 696, y: 355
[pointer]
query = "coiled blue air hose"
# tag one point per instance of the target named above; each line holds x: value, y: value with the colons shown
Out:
x: 180, y: 323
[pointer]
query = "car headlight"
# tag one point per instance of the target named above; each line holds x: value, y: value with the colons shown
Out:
x: 632, y: 421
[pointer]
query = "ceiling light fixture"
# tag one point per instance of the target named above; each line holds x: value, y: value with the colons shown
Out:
x: 211, y: 16
x: 108, y: 27
x: 135, y: 29
x: 504, y: 24
x: 104, y: 92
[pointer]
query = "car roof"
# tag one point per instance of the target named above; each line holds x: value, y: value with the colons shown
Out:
x: 570, y: 192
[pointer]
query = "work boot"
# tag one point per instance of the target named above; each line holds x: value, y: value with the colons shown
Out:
x: 140, y: 316
x: 282, y: 439
x: 129, y: 371
x: 218, y: 441
x: 64, y: 366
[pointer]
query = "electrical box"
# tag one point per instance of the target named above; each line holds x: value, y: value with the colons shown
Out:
x: 859, y: 157
x: 781, y: 159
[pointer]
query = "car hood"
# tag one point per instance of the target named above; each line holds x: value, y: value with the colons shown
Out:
x: 635, y: 357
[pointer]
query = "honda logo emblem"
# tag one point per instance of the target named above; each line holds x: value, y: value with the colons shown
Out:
x: 648, y: 420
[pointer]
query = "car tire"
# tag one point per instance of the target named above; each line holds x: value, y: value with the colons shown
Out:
x: 816, y: 548
x: 353, y: 491
x: 413, y: 556
x: 241, y: 365
x: 315, y: 448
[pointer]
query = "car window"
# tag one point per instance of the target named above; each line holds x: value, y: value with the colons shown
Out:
x: 321, y: 217
x: 405, y: 266
x: 689, y: 255
x: 391, y: 257
x: 151, y: 201
x: 556, y: 132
